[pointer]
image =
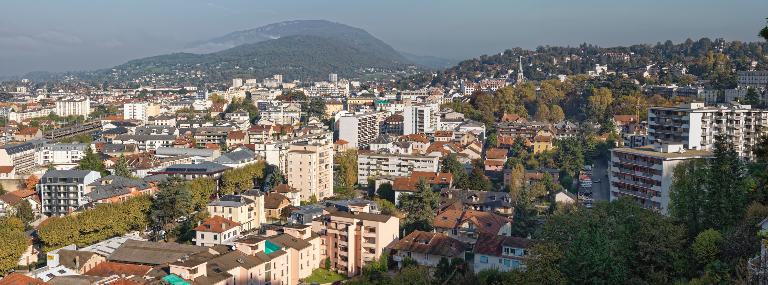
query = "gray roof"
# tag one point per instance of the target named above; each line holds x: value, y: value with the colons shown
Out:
x: 112, y: 148
x: 239, y: 156
x: 231, y: 201
x: 66, y: 146
x: 153, y: 253
x: 118, y: 186
x: 176, y: 151
x: 205, y: 167
x: 66, y: 174
x: 145, y: 137
x: 17, y: 148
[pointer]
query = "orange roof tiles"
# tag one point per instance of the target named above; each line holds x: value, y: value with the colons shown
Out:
x: 484, y: 222
x: 20, y: 279
x: 216, y: 224
x: 496, y: 153
x: 109, y: 268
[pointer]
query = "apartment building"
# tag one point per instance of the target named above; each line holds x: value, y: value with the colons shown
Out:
x: 63, y: 191
x: 73, y: 107
x: 352, y: 240
x: 309, y: 169
x: 383, y: 164
x: 20, y: 157
x: 422, y: 118
x: 137, y: 111
x: 211, y: 135
x: 359, y: 129
x: 757, y: 79
x: 695, y: 126
x: 645, y: 174
x: 61, y: 155
x: 247, y: 211
x: 234, y: 267
x: 146, y: 142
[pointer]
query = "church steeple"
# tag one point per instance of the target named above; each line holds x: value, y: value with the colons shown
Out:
x: 520, y: 76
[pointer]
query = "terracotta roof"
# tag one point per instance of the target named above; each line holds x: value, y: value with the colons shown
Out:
x: 512, y: 118
x: 624, y: 119
x: 236, y: 135
x: 21, y: 279
x: 275, y: 200
x: 493, y: 245
x: 430, y: 243
x: 542, y: 138
x: 6, y: 169
x: 394, y: 119
x: 341, y: 142
x: 491, y: 162
x: 422, y: 138
x: 216, y: 224
x: 483, y: 222
x: 28, y: 131
x: 444, y: 134
x: 125, y: 282
x: 109, y: 268
x: 496, y: 153
x: 409, y: 183
x: 284, y: 188
x: 113, y: 118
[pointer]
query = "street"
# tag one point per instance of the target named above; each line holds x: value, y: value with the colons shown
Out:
x: 600, y: 190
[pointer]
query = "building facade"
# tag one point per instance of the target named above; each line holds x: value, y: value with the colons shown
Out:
x: 309, y: 169
x: 63, y: 191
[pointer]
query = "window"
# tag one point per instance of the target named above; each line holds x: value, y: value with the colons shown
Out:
x: 506, y: 262
x: 215, y: 237
x: 483, y: 259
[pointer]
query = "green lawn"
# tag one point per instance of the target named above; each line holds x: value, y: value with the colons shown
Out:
x: 322, y: 276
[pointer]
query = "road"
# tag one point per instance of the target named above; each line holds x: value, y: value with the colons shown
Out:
x: 600, y: 191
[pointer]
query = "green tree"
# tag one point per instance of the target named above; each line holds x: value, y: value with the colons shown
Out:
x: 347, y: 163
x: 25, y: 213
x: 385, y: 191
x: 752, y: 97
x: 13, y: 244
x: 477, y: 179
x: 598, y: 104
x: 315, y: 108
x: 419, y: 207
x: 542, y: 113
x: 172, y: 202
x: 707, y: 246
x: 556, y: 114
x: 201, y: 190
x: 452, y: 165
x: 121, y: 167
x: 92, y: 161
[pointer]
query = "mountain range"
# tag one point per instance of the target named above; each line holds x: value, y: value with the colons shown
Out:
x: 303, y: 49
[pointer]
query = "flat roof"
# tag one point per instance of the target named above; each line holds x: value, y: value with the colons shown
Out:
x: 649, y: 151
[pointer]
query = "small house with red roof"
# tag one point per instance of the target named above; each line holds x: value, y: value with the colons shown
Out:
x: 216, y: 230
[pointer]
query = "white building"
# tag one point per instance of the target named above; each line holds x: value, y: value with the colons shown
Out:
x: 61, y: 155
x: 423, y: 118
x: 359, y: 129
x: 373, y: 164
x: 645, y: 174
x: 309, y: 169
x: 135, y: 111
x: 754, y: 79
x: 695, y: 126
x: 237, y: 82
x: 73, y: 107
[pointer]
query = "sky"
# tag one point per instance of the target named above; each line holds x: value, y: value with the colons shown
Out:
x: 71, y: 35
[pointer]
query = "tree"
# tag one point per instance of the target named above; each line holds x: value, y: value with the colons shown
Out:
x: 121, y: 167
x: 686, y: 199
x: 13, y: 244
x: 347, y: 162
x: 2, y: 190
x: 556, y: 114
x: 172, y: 202
x: 516, y: 181
x: 752, y: 97
x: 598, y: 104
x: 420, y: 207
x: 452, y: 165
x: 315, y: 108
x: 25, y: 213
x: 31, y: 182
x: 201, y: 189
x: 764, y: 33
x: 707, y: 246
x: 91, y: 161
x: 385, y: 191
x: 542, y: 113
x: 477, y: 179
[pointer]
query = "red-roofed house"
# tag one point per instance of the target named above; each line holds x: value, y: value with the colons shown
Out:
x: 407, y: 185
x: 466, y: 225
x: 28, y: 134
x: 235, y: 138
x: 502, y: 253
x: 216, y: 230
x: 21, y: 279
x: 9, y: 201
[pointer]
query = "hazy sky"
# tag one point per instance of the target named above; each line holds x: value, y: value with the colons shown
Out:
x: 59, y: 35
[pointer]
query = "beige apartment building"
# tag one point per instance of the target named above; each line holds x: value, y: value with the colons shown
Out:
x: 352, y: 240
x: 309, y: 168
x: 216, y: 230
x: 248, y: 211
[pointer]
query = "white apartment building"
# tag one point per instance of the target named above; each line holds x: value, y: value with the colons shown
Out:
x: 423, y: 118
x: 61, y: 155
x: 645, y: 173
x: 755, y: 79
x: 20, y: 157
x: 360, y: 129
x: 29, y: 114
x: 383, y: 164
x: 136, y: 111
x: 695, y: 126
x: 73, y: 106
x: 309, y: 169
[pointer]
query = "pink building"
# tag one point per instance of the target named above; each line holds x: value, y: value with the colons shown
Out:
x: 351, y: 240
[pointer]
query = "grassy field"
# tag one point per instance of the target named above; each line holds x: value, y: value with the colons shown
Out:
x: 322, y: 276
